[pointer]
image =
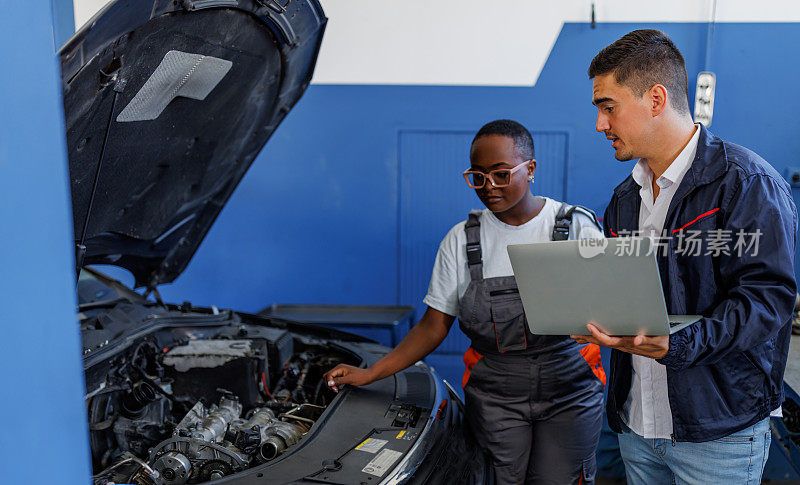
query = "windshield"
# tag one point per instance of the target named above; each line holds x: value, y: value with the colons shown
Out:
x: 95, y: 287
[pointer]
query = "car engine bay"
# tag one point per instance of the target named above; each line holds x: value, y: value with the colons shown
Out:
x: 209, y: 405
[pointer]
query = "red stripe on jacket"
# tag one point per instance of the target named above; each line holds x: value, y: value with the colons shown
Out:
x: 695, y: 220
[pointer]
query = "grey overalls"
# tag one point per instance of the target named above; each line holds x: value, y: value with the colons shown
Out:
x: 535, y: 402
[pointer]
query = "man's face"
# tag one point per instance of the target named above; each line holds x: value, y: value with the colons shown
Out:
x: 625, y: 118
x: 493, y: 152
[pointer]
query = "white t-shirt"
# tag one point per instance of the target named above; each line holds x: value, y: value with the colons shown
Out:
x: 450, y: 276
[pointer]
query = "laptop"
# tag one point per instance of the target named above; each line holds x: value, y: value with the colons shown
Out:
x: 613, y: 282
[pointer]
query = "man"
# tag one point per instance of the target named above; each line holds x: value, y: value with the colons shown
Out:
x: 694, y: 407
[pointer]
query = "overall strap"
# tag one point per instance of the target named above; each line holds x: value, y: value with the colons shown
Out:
x: 474, y: 255
x: 564, y: 219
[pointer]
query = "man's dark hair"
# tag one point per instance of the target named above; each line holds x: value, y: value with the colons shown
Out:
x: 640, y: 60
x: 523, y: 141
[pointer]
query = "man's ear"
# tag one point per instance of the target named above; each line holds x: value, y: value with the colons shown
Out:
x: 658, y: 99
x: 531, y: 167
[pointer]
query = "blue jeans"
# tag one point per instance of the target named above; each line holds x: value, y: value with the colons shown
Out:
x: 738, y: 458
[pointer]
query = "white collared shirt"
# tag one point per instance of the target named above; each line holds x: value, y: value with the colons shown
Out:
x: 646, y: 411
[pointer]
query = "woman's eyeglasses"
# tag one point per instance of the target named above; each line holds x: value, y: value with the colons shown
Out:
x: 498, y: 178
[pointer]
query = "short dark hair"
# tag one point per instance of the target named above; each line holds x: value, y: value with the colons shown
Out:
x: 640, y: 60
x: 523, y: 141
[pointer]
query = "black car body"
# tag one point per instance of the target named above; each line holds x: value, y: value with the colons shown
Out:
x: 148, y: 365
x: 167, y: 103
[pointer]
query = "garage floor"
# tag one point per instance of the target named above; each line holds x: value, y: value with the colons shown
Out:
x: 792, y: 375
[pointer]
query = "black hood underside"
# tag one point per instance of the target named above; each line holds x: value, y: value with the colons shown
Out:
x: 167, y: 104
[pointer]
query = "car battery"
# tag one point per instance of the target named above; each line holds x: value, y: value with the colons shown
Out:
x: 279, y: 342
x: 280, y: 347
x: 202, y: 367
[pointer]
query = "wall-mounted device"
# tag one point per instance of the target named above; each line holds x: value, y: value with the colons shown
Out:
x: 704, y: 98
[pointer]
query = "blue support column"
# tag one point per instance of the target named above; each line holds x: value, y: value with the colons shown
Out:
x: 42, y: 429
x: 63, y: 21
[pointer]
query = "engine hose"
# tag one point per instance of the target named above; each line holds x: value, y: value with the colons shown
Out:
x: 134, y: 402
x: 130, y: 458
x: 281, y: 406
x: 303, y: 374
x: 317, y: 391
x: 183, y: 404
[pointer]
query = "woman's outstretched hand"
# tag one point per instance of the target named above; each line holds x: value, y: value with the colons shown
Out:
x: 347, y: 374
x: 420, y: 341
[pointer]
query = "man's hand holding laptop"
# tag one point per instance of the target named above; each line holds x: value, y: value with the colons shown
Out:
x: 653, y: 347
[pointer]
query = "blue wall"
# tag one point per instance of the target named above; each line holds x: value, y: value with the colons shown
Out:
x: 318, y: 217
x: 43, y: 424
x: 344, y: 207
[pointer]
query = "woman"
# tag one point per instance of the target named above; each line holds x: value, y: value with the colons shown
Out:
x: 534, y: 402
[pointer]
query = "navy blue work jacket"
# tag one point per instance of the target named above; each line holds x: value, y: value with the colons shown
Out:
x: 725, y: 372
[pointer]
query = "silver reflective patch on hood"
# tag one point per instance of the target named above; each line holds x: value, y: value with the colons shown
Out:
x: 179, y: 74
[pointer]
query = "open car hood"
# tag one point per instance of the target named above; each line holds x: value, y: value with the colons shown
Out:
x: 167, y: 103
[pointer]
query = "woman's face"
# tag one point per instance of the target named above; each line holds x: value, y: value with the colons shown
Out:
x: 493, y: 152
